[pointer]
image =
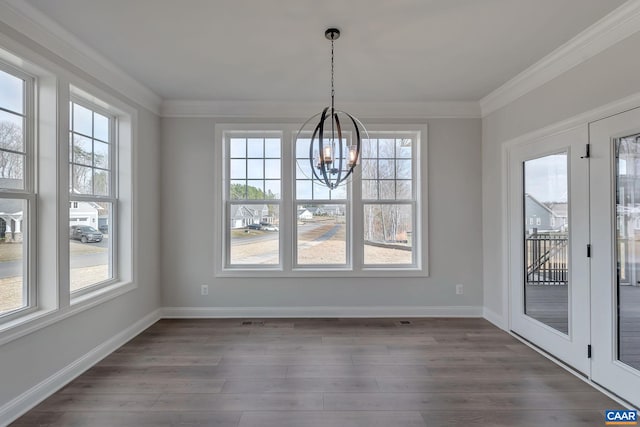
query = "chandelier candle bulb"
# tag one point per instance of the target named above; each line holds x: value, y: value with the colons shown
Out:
x: 327, y: 158
x: 353, y: 155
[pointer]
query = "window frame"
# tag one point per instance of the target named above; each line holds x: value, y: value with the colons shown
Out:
x: 228, y: 201
x: 112, y: 198
x: 288, y: 266
x: 28, y: 194
x: 413, y: 201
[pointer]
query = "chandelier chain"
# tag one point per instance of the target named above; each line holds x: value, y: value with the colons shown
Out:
x: 333, y: 91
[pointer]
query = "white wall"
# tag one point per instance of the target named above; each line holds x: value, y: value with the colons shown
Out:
x: 604, y: 78
x: 31, y: 359
x: 188, y: 217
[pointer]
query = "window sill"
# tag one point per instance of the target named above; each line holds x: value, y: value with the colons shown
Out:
x: 39, y: 319
x: 323, y: 273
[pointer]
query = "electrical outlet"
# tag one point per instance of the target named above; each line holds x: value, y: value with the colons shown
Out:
x: 204, y: 289
x: 459, y: 289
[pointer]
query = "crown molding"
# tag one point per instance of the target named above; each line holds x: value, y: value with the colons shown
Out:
x: 262, y: 109
x: 35, y: 25
x: 613, y: 28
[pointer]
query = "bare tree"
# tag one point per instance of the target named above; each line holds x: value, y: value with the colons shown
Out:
x: 11, y: 143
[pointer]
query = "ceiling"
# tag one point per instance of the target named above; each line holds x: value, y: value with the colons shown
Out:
x: 275, y: 50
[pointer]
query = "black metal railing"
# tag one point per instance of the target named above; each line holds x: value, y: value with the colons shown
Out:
x: 546, y: 257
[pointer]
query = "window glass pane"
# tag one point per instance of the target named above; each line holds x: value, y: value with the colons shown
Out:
x: 238, y: 168
x: 89, y: 243
x: 11, y: 92
x: 254, y: 231
x: 238, y: 190
x: 101, y: 154
x: 302, y: 148
x: 339, y: 193
x: 403, y: 190
x: 303, y: 169
x: 238, y: 147
x: 321, y: 234
x: 369, y: 148
x: 386, y: 148
x: 82, y: 180
x: 100, y: 127
x: 255, y: 168
x: 272, y: 189
x: 320, y: 191
x: 369, y: 189
x: 82, y: 150
x: 387, y: 190
x: 403, y: 169
x: 100, y: 182
x: 403, y: 148
x: 255, y: 147
x: 255, y: 190
x: 369, y: 169
x: 82, y: 120
x: 388, y: 234
x: 272, y: 169
x: 13, y: 250
x: 386, y: 169
x: 546, y: 246
x: 303, y: 189
x: 11, y: 170
x: 272, y: 148
x: 11, y: 132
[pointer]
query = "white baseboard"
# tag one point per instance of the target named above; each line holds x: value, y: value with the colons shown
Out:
x: 495, y: 318
x: 13, y: 409
x: 318, y: 311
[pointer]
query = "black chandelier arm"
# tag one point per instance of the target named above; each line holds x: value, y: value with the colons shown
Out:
x: 335, y: 119
x: 358, y: 139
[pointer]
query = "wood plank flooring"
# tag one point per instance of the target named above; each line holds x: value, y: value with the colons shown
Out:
x: 322, y: 373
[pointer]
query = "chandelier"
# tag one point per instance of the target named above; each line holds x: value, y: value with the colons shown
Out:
x: 334, y: 149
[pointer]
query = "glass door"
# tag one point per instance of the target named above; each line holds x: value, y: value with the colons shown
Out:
x: 548, y: 242
x: 615, y: 227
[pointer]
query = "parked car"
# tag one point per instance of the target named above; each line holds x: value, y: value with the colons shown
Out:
x: 254, y: 227
x: 104, y: 228
x: 84, y: 233
x: 270, y: 227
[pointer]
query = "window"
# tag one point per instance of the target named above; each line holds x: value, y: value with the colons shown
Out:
x: 92, y: 195
x: 321, y: 217
x: 389, y: 201
x: 278, y: 220
x: 17, y: 195
x: 253, y: 196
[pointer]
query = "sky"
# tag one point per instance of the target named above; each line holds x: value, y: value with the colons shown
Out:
x: 546, y: 178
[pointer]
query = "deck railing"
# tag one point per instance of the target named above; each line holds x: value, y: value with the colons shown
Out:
x: 546, y: 256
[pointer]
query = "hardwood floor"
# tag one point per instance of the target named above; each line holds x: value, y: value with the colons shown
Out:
x: 323, y: 372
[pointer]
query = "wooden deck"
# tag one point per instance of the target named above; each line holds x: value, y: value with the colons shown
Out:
x: 548, y: 304
x: 323, y: 373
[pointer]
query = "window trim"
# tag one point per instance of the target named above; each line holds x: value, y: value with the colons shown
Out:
x: 288, y: 256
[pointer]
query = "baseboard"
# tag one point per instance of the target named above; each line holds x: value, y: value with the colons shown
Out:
x: 318, y: 311
x: 495, y: 318
x: 13, y: 409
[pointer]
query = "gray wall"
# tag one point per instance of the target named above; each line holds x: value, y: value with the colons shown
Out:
x: 607, y: 77
x: 188, y: 217
x: 28, y: 360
